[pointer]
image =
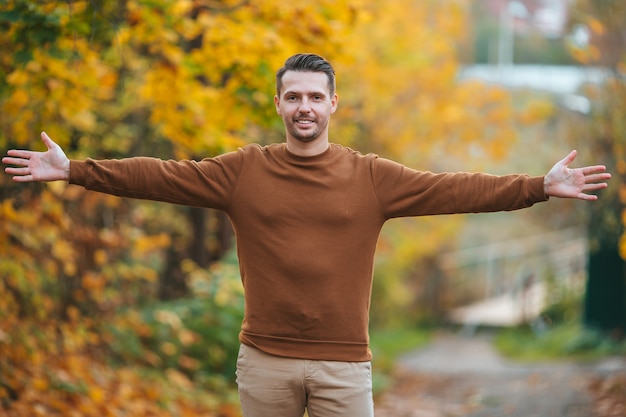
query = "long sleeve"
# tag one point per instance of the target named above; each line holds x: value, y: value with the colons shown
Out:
x: 206, y: 183
x: 402, y: 191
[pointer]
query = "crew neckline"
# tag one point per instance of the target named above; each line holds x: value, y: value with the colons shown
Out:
x: 313, y: 158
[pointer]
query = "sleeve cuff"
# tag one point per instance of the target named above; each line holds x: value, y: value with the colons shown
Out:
x: 78, y: 172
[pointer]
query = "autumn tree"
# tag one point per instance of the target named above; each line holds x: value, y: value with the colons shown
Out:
x: 169, y: 79
x: 602, y: 23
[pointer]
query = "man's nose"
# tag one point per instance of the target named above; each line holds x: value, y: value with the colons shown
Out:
x: 305, y: 107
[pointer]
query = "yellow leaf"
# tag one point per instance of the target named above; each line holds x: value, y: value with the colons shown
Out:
x: 178, y: 378
x: 622, y: 247
x: 73, y: 313
x: 168, y: 317
x: 596, y: 26
x: 100, y: 257
x: 19, y: 98
x: 97, y: 394
x: 168, y: 348
x: 17, y: 78
x: 8, y: 212
x: 536, y: 111
x: 40, y: 384
x: 146, y: 244
x: 188, y: 362
x: 187, y: 337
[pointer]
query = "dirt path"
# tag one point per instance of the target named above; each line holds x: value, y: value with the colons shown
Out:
x: 464, y: 376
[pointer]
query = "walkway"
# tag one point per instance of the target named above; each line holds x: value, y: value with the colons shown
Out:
x: 464, y: 376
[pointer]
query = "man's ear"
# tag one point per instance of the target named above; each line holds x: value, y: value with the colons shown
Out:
x: 277, y: 104
x: 333, y: 103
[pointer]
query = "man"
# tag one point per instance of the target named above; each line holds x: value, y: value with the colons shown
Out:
x: 307, y: 214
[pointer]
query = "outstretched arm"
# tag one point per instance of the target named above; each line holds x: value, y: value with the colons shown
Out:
x: 565, y: 182
x: 28, y: 166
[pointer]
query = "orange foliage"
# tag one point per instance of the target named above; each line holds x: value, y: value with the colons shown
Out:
x: 69, y: 384
x: 50, y: 337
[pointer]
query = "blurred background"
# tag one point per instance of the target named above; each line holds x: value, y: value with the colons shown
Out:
x: 111, y: 306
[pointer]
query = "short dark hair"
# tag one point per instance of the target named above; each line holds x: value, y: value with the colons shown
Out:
x: 306, y: 62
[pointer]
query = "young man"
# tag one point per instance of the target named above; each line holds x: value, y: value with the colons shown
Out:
x: 307, y: 215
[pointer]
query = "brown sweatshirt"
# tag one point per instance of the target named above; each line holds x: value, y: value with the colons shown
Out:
x: 307, y: 229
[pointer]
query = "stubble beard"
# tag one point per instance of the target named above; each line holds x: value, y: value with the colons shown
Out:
x: 308, y: 136
x: 304, y: 138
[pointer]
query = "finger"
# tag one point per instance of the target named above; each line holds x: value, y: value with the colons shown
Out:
x: 23, y: 178
x: 17, y: 171
x: 15, y: 161
x: 597, y: 177
x: 20, y: 153
x: 595, y: 186
x: 588, y: 197
x: 594, y: 169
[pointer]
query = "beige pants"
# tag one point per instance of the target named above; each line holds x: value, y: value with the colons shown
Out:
x: 273, y: 386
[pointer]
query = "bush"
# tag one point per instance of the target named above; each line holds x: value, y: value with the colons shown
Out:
x: 564, y: 341
x: 196, y: 336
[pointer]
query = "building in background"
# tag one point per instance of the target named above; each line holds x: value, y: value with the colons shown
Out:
x: 521, y: 31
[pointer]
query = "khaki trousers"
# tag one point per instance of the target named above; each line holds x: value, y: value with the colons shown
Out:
x: 273, y: 386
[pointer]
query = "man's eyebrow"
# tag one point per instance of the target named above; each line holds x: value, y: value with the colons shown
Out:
x: 306, y: 93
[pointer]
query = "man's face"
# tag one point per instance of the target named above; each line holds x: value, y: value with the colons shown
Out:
x: 305, y: 104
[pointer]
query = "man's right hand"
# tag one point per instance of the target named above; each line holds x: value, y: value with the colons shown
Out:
x: 28, y: 166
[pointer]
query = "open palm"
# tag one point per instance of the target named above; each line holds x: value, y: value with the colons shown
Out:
x: 565, y: 182
x: 27, y: 166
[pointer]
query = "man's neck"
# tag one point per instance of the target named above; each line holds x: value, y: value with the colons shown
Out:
x: 307, y: 149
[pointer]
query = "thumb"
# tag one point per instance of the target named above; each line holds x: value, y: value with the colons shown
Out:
x: 50, y: 144
x: 569, y: 158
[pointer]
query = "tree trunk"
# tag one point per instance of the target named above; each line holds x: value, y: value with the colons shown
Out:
x: 605, y: 301
x: 211, y: 237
